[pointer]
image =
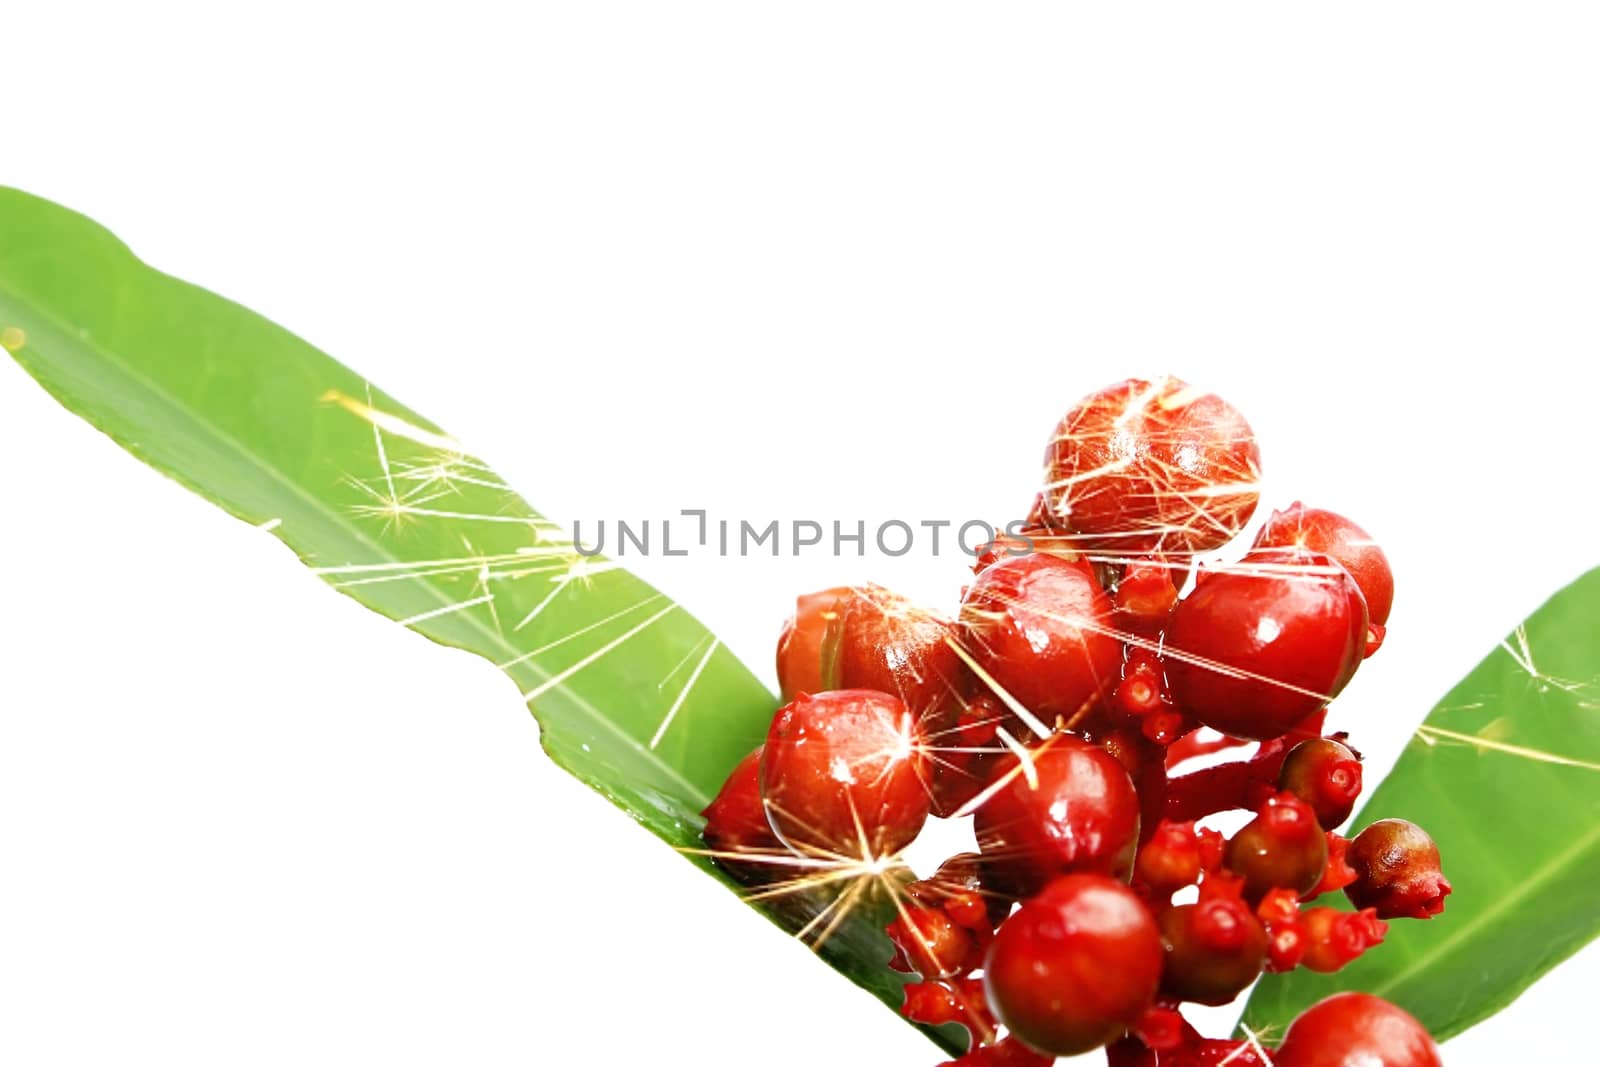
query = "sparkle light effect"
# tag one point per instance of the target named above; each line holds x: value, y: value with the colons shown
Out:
x: 1200, y: 495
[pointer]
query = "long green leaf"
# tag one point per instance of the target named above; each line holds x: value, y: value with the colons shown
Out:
x: 633, y: 696
x: 1505, y: 774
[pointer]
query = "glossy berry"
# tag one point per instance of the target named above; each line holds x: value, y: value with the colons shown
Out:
x: 889, y: 644
x: 959, y: 1000
x: 1070, y: 808
x: 1260, y: 645
x: 931, y: 943
x: 1151, y: 466
x: 1397, y: 871
x: 1283, y: 847
x: 1325, y: 774
x: 1170, y: 859
x: 736, y: 824
x: 1007, y: 1052
x: 843, y: 774
x: 1214, y: 949
x: 1041, y: 627
x: 1144, y: 597
x: 958, y: 887
x: 1143, y: 688
x: 1075, y: 966
x: 1334, y: 938
x: 1356, y: 1030
x: 808, y: 645
x: 1341, y: 541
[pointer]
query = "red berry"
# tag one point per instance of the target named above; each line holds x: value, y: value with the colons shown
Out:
x: 1071, y: 807
x: 1145, y: 597
x: 1170, y: 860
x: 958, y: 887
x: 1147, y: 466
x: 1283, y: 847
x: 1356, y: 1030
x: 809, y: 637
x: 1341, y: 541
x: 1214, y: 949
x: 1325, y: 774
x: 1041, y: 628
x: 736, y: 823
x: 843, y: 774
x: 1007, y: 1052
x: 889, y: 644
x: 1397, y: 872
x: 1260, y: 645
x: 1075, y: 966
x: 959, y: 1001
x: 1334, y: 938
x: 933, y: 944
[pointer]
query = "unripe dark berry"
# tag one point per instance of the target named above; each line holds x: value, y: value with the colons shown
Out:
x: 1341, y: 541
x: 736, y: 825
x: 844, y: 774
x: 966, y: 754
x: 1356, y: 1030
x: 1214, y: 949
x: 1397, y: 871
x: 1151, y: 466
x: 1041, y: 627
x: 1070, y: 808
x: 1259, y: 645
x: 1075, y: 966
x: 1283, y: 847
x: 1325, y: 774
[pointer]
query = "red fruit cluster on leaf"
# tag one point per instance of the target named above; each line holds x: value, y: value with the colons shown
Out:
x: 1059, y: 709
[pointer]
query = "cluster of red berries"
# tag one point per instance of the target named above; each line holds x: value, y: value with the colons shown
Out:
x: 1057, y: 709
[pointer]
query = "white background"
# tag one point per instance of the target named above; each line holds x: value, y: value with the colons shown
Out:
x: 834, y: 261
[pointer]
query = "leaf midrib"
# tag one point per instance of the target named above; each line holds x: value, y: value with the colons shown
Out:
x: 217, y: 434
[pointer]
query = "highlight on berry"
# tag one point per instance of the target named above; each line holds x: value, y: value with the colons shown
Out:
x: 1091, y: 705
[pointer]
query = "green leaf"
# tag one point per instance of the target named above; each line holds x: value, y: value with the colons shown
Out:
x: 1505, y: 774
x: 633, y: 696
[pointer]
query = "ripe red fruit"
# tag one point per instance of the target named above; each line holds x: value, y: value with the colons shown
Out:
x: 1145, y: 596
x: 1040, y: 626
x: 889, y: 644
x: 1397, y: 871
x: 1145, y: 466
x: 933, y: 944
x: 1325, y: 774
x: 808, y: 645
x: 1070, y: 808
x: 1170, y: 860
x: 1258, y: 646
x: 1341, y: 541
x: 958, y: 1000
x: 1283, y: 847
x: 1356, y: 1030
x: 844, y: 774
x: 1213, y: 949
x: 1075, y: 966
x: 1333, y: 938
x: 736, y: 822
